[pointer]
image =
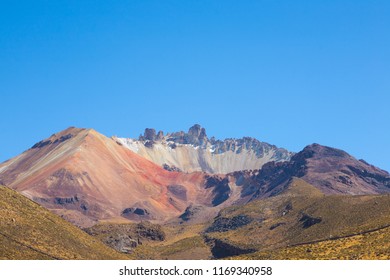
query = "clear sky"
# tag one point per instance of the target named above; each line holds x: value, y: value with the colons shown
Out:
x: 286, y: 72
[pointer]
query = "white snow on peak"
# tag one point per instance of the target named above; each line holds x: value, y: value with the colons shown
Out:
x: 129, y: 143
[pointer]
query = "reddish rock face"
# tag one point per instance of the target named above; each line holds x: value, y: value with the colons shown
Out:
x: 82, y: 172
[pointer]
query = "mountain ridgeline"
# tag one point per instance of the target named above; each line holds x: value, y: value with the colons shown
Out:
x: 194, y: 151
x: 207, y: 195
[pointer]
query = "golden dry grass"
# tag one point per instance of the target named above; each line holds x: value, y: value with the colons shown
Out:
x: 369, y: 246
x: 29, y: 231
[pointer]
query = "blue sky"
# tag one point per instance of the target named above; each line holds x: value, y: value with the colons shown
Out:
x: 286, y: 72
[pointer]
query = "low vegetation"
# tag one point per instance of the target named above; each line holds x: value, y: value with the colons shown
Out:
x: 373, y: 245
x: 29, y: 231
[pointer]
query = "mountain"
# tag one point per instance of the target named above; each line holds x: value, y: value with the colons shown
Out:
x: 85, y: 177
x: 254, y: 197
x: 29, y: 231
x: 331, y: 170
x: 194, y: 151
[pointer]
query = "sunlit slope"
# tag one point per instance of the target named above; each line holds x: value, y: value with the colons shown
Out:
x: 300, y: 215
x: 83, y: 175
x: 373, y: 245
x: 29, y: 231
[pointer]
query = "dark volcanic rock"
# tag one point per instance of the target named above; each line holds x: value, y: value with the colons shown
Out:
x: 196, y: 136
x: 160, y: 135
x: 125, y: 237
x: 135, y: 210
x: 136, y: 213
x: 66, y: 200
x: 150, y: 231
x: 190, y: 212
x: 149, y: 144
x: 63, y: 138
x: 41, y: 144
x: 44, y: 143
x: 171, y: 168
x: 276, y: 225
x: 150, y: 134
x: 308, y: 221
x: 221, y: 189
x: 221, y: 249
x: 222, y: 224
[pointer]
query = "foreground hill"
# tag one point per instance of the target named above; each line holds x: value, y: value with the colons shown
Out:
x: 372, y: 245
x: 29, y: 231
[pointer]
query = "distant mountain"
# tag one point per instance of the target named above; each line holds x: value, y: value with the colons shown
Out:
x: 194, y: 151
x: 85, y: 177
x: 331, y: 170
x: 215, y: 198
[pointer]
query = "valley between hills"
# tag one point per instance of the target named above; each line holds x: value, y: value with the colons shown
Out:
x: 81, y: 195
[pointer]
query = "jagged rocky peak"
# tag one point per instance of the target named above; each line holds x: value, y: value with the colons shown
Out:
x: 194, y: 151
x: 196, y: 136
x: 197, y: 131
x: 151, y: 135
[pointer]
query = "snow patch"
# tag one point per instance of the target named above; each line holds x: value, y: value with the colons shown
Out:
x: 129, y: 143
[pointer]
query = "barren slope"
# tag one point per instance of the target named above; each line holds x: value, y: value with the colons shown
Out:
x: 86, y: 176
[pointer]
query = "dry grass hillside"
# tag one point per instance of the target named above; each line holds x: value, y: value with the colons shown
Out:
x: 373, y: 245
x: 29, y: 231
x: 300, y: 223
x: 300, y: 215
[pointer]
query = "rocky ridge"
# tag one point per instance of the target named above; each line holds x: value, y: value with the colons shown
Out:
x: 195, y: 151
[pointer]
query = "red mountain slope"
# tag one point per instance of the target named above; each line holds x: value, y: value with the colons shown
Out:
x: 81, y: 173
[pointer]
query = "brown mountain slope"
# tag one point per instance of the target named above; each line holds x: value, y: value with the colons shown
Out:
x: 298, y: 215
x: 330, y: 170
x: 29, y: 231
x: 86, y: 176
x: 272, y: 227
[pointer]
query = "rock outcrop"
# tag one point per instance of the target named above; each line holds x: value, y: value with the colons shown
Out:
x: 194, y: 151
